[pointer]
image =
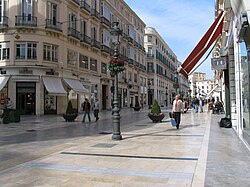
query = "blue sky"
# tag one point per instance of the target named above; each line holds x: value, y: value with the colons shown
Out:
x: 181, y: 23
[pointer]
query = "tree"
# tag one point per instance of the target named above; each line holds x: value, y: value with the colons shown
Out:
x: 156, y: 108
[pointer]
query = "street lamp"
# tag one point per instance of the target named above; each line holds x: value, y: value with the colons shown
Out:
x: 116, y: 65
x: 176, y: 84
x: 166, y: 96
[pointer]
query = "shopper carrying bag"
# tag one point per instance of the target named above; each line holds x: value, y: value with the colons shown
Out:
x: 177, y: 110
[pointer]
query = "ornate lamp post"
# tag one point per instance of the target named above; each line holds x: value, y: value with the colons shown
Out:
x: 176, y: 84
x: 166, y: 96
x: 116, y: 65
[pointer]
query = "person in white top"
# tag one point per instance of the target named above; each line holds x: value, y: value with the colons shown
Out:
x: 177, y: 110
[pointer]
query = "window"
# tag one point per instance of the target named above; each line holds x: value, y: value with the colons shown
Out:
x: 104, y: 68
x: 135, y: 77
x: 129, y: 76
x: 4, y: 51
x: 3, y: 5
x: 26, y: 8
x: 26, y: 50
x: 50, y: 52
x: 52, y: 12
x: 94, y: 33
x: 150, y: 39
x: 93, y: 64
x: 150, y: 50
x: 83, y: 61
x: 72, y: 57
x: 83, y: 25
x: 106, y: 37
x: 106, y: 11
x: 72, y: 20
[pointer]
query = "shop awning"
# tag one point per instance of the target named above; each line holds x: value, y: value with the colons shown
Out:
x: 3, y: 81
x: 76, y: 85
x: 54, y: 86
x: 207, y: 40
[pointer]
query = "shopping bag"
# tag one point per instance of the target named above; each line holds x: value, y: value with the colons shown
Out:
x: 173, y: 122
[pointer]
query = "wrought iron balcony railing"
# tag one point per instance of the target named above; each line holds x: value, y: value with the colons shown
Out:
x: 94, y: 13
x: 28, y: 21
x: 53, y: 24
x: 85, y: 6
x: 85, y: 39
x: 105, y: 21
x: 4, y: 21
x: 74, y: 33
x: 105, y: 49
x: 95, y: 44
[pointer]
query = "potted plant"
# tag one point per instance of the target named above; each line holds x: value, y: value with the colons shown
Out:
x: 155, y: 115
x: 71, y: 113
x: 137, y: 106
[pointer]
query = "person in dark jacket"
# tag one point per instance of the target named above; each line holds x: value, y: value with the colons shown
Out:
x: 196, y: 104
x: 86, y: 108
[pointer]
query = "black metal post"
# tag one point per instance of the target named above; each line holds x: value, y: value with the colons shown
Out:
x: 116, y: 110
x: 116, y: 114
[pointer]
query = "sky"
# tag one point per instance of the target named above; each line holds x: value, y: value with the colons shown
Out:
x: 181, y: 23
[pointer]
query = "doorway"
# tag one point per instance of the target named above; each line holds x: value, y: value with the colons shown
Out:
x: 26, y: 98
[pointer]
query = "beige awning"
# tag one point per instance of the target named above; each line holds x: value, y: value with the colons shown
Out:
x: 54, y: 86
x: 3, y: 81
x: 76, y: 86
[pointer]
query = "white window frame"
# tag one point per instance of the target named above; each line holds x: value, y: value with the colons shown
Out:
x: 52, y: 12
x: 72, y: 57
x: 25, y: 48
x: 3, y: 9
x: 4, y: 51
x: 50, y: 52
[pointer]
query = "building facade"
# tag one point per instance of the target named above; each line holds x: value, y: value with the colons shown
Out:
x: 55, y: 51
x: 234, y: 47
x: 161, y: 66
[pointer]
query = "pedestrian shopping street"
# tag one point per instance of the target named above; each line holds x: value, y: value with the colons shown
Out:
x: 46, y: 151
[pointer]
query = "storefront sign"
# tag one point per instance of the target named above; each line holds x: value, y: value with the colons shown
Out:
x: 219, y: 63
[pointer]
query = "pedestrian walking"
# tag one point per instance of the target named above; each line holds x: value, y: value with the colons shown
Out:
x: 86, y: 108
x: 196, y: 104
x: 8, y: 104
x: 201, y: 104
x: 177, y: 110
x: 96, y: 110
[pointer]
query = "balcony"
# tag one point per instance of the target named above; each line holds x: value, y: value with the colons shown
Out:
x: 130, y: 40
x: 85, y: 39
x: 53, y: 24
x: 125, y: 36
x: 73, y: 33
x: 95, y: 14
x: 76, y: 1
x: 150, y: 55
x: 124, y: 57
x: 26, y: 21
x: 105, y: 22
x: 85, y: 6
x: 3, y: 21
x: 136, y: 44
x: 130, y: 61
x: 95, y: 43
x: 142, y: 67
x: 151, y: 71
x: 105, y: 49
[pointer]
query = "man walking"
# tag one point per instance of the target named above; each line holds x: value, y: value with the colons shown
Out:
x: 86, y: 109
x: 177, y: 110
x: 96, y: 109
